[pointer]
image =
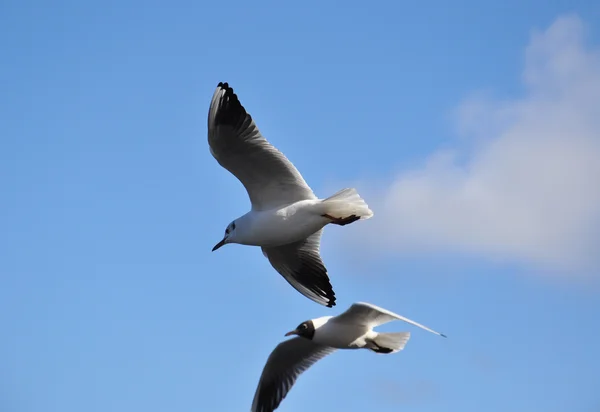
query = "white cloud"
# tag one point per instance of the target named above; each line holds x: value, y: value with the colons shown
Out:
x: 528, y: 188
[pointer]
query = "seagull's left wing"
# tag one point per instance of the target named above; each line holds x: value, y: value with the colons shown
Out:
x: 287, y: 361
x: 270, y: 179
x: 366, y: 314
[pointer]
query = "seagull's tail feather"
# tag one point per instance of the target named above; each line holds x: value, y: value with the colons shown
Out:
x: 347, y: 206
x: 389, y: 342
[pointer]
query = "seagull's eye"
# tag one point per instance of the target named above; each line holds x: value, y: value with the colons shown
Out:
x: 227, y: 231
x: 303, y: 326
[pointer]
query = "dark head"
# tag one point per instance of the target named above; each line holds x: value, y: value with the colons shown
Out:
x: 228, y: 238
x: 305, y: 329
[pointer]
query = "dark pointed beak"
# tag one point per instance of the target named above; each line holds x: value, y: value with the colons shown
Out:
x: 294, y: 332
x: 218, y: 245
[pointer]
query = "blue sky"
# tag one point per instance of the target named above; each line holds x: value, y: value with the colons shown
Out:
x: 471, y: 129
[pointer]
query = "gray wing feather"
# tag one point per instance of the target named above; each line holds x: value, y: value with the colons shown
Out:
x: 287, y: 361
x: 301, y: 265
x: 367, y: 314
x: 236, y: 143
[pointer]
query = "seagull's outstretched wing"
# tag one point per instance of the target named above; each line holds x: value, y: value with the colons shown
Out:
x: 269, y: 177
x: 287, y: 361
x: 366, y: 314
x: 301, y: 265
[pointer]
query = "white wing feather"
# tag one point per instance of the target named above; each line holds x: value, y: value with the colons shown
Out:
x: 367, y: 314
x: 270, y: 179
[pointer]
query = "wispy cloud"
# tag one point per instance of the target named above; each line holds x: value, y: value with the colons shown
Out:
x: 528, y: 186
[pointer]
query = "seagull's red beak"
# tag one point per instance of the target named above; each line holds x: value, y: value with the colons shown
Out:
x: 218, y: 245
x: 294, y: 332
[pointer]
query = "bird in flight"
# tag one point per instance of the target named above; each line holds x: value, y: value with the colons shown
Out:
x: 317, y: 338
x: 286, y: 219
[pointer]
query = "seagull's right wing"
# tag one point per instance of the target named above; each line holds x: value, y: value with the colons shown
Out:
x: 300, y: 264
x: 366, y: 314
x: 270, y: 179
x: 287, y: 361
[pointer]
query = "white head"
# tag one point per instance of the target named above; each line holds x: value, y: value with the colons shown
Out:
x: 307, y: 329
x: 229, y: 236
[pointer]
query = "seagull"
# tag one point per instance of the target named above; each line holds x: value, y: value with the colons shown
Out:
x: 317, y: 338
x: 286, y: 219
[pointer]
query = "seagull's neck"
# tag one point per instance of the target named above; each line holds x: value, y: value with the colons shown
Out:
x: 337, y: 335
x: 320, y: 322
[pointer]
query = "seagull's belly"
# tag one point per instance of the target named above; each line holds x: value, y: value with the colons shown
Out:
x: 286, y: 225
x: 343, y: 336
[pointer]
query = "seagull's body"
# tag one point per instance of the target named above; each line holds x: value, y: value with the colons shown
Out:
x: 317, y: 338
x: 279, y: 226
x: 286, y: 219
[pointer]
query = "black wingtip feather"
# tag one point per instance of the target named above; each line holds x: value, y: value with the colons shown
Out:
x: 331, y: 298
x: 230, y: 111
x: 322, y: 284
